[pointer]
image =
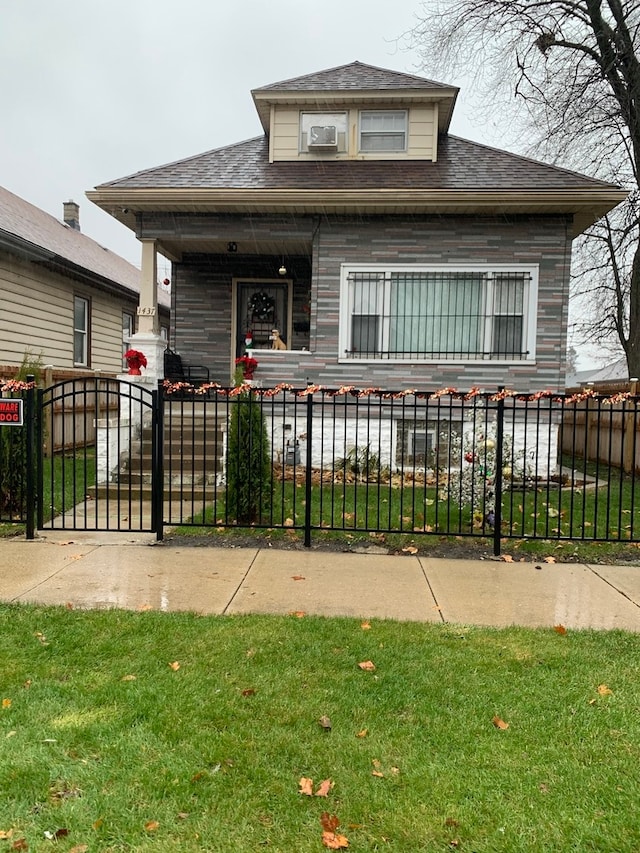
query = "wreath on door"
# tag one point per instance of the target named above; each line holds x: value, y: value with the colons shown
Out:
x: 262, y: 306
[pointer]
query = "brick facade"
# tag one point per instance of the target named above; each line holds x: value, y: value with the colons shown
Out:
x: 202, y: 291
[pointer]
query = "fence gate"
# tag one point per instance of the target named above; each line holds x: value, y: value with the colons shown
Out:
x: 98, y: 462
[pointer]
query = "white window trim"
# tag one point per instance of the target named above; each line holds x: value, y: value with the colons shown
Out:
x: 86, y: 331
x: 530, y: 325
x: 384, y: 152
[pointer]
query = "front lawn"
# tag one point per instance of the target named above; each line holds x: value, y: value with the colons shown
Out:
x: 145, y: 731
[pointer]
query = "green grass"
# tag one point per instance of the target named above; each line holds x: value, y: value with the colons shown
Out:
x: 213, y: 751
x: 64, y: 484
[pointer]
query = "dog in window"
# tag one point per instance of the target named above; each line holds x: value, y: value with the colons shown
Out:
x: 276, y: 340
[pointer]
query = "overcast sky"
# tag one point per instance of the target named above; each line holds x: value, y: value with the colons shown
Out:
x: 95, y: 90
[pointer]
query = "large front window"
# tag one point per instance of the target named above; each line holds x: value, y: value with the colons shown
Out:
x: 429, y: 313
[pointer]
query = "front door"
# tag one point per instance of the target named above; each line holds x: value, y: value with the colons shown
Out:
x: 261, y: 307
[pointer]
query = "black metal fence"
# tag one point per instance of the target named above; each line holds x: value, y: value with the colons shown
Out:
x: 445, y: 463
x: 539, y: 466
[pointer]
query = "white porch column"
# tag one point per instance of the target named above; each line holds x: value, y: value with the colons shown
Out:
x: 148, y: 305
x: 147, y: 339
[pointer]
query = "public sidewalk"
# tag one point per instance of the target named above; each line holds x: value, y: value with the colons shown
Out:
x: 98, y: 570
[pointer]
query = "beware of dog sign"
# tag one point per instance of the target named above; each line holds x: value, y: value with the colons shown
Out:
x: 11, y: 412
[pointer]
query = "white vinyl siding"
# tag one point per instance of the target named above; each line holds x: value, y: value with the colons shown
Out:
x: 37, y: 315
x: 286, y: 141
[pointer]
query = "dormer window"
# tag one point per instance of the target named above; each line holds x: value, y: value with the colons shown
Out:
x: 383, y: 130
x: 323, y: 133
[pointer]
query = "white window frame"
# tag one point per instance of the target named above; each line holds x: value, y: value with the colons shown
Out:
x: 376, y: 151
x: 339, y: 119
x: 84, y: 331
x: 126, y: 337
x: 529, y: 324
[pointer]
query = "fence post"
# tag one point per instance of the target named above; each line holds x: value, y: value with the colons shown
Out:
x: 157, y: 456
x: 497, y: 510
x: 29, y: 461
x: 629, y: 426
x: 307, y: 482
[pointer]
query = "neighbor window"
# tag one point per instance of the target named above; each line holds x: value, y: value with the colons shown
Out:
x: 438, y: 313
x: 128, y: 329
x: 383, y: 130
x: 81, y: 326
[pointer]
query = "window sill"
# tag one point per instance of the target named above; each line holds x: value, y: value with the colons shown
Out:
x: 441, y: 362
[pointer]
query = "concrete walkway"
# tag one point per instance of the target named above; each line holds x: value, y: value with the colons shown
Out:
x: 97, y: 570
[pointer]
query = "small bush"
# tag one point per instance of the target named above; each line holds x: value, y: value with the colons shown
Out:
x: 249, y: 486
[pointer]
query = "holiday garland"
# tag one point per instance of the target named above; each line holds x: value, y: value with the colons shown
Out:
x: 353, y: 391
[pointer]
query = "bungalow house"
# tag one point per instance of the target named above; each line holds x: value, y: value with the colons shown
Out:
x: 384, y: 250
x: 65, y: 298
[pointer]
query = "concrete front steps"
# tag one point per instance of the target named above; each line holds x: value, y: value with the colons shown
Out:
x: 193, y: 459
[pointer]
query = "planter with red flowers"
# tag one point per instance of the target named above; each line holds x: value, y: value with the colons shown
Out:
x: 248, y: 365
x: 135, y: 360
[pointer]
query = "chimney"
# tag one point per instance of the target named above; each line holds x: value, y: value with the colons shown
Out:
x: 71, y: 214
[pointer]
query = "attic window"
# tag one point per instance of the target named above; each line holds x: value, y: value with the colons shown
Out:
x: 383, y: 130
x: 323, y: 132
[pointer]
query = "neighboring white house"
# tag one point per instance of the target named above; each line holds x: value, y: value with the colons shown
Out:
x: 65, y: 298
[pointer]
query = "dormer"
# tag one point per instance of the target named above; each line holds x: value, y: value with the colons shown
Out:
x: 354, y: 112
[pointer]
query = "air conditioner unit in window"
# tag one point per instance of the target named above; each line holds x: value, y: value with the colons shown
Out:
x: 323, y: 137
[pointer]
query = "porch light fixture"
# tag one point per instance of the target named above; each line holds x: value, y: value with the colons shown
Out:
x: 283, y: 269
x: 232, y: 247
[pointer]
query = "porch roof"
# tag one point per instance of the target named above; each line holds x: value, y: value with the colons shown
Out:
x: 467, y: 178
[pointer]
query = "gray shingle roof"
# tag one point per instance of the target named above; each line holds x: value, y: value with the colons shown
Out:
x: 353, y: 76
x: 33, y: 225
x: 462, y: 165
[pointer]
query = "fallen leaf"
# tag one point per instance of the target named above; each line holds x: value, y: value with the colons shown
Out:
x: 97, y: 823
x: 20, y: 844
x: 151, y: 825
x: 329, y: 822
x: 366, y: 626
x: 54, y: 836
x: 143, y: 607
x: 288, y: 522
x: 560, y: 629
x: 300, y: 614
x: 499, y: 724
x: 128, y: 678
x: 182, y: 815
x: 297, y: 578
x: 250, y: 691
x: 175, y: 666
x: 306, y: 786
x: 603, y: 690
x: 6, y: 703
x: 362, y: 733
x: 550, y: 560
x: 27, y: 684
x: 451, y: 821
x: 41, y: 638
x: 79, y: 848
x: 12, y: 733
x: 334, y: 841
x: 377, y: 771
x: 5, y: 834
x: 367, y: 666
x: 325, y: 722
x: 377, y: 774
x: 507, y: 558
x: 69, y: 605
x: 324, y: 787
x: 410, y: 549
